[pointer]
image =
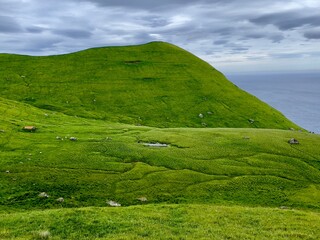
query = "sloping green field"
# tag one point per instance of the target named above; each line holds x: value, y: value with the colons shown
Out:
x: 105, y: 132
x: 110, y: 161
x: 155, y: 84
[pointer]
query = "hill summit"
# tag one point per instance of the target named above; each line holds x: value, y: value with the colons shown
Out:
x: 155, y: 84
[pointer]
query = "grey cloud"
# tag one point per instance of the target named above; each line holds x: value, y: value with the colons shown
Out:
x: 312, y: 34
x: 276, y: 38
x: 254, y: 36
x: 237, y: 47
x: 288, y: 20
x: 225, y: 31
x: 35, y: 45
x: 146, y: 4
x: 141, y: 37
x: 240, y: 49
x: 34, y: 29
x: 315, y: 54
x: 252, y: 33
x: 256, y: 58
x: 40, y: 45
x: 167, y: 4
x: 287, y: 55
x: 9, y: 25
x: 220, y: 42
x: 73, y: 33
x: 154, y: 21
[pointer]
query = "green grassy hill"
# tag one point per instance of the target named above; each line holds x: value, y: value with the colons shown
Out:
x: 244, y: 182
x: 156, y: 84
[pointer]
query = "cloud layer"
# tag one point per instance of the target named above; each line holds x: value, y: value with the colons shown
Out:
x: 231, y: 35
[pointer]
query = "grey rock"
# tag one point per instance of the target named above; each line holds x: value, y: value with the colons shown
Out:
x: 293, y: 141
x: 60, y: 199
x: 113, y: 204
x: 283, y: 207
x: 43, y: 195
x: 142, y: 199
x: 44, y: 235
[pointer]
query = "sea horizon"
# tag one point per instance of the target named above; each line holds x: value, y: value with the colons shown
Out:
x: 295, y: 94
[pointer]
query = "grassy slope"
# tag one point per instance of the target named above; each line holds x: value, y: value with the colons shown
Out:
x: 109, y: 161
x: 155, y: 84
x: 162, y: 222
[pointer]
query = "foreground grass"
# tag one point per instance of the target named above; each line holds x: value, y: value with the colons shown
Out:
x: 162, y: 222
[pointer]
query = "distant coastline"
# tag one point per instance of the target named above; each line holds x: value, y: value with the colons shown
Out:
x: 296, y: 95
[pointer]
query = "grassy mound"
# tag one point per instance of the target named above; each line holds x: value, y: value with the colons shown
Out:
x: 155, y: 84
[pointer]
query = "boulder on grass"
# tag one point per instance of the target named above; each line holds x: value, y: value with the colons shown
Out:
x: 43, y: 195
x: 293, y: 141
x: 142, y: 199
x: 60, y: 199
x: 29, y: 128
x: 113, y: 204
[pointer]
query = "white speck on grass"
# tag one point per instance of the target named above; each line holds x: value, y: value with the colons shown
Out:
x: 44, y: 234
x: 113, y: 204
x: 43, y: 195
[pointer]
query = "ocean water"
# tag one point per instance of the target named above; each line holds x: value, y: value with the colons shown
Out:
x: 296, y: 95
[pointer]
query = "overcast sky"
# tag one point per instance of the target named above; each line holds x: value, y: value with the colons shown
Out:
x: 232, y: 35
